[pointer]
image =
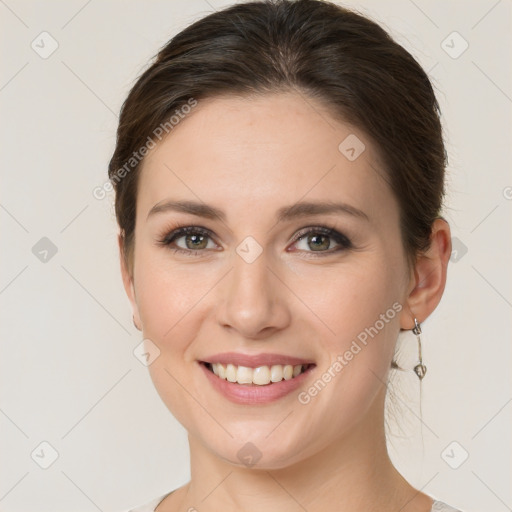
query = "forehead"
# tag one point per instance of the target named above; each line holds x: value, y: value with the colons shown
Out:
x: 265, y: 150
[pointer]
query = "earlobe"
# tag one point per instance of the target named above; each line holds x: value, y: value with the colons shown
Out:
x: 128, y: 283
x: 429, y: 277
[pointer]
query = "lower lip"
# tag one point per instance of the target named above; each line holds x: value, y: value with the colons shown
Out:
x: 250, y: 395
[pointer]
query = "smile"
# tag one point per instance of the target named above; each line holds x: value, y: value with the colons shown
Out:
x: 256, y: 379
x: 259, y: 376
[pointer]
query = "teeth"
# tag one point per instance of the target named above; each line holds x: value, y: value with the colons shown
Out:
x: 276, y: 373
x: 231, y: 372
x: 260, y: 376
x: 244, y: 375
x: 297, y: 370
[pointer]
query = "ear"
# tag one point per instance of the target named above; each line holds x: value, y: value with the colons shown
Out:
x: 128, y: 283
x: 429, y: 276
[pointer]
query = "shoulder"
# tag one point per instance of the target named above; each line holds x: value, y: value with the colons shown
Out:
x: 439, y: 506
x: 150, y: 505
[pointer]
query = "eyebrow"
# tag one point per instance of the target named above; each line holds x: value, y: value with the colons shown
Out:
x: 286, y: 213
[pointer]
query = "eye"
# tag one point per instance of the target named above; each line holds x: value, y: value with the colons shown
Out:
x: 189, y: 240
x: 192, y: 240
x: 320, y: 239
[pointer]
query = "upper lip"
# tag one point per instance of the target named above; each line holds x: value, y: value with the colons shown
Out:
x: 256, y: 360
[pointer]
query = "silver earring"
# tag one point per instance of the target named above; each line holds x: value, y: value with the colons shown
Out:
x: 420, y: 369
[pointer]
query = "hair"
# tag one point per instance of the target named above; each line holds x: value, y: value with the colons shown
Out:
x: 317, y: 48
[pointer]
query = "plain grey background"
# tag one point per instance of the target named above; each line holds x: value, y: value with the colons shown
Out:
x: 69, y: 377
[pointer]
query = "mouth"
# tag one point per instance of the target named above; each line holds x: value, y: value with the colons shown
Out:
x: 265, y: 375
x: 256, y: 379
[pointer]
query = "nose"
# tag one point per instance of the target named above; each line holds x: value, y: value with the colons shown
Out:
x: 253, y: 299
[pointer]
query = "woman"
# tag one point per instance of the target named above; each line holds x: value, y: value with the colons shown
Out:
x: 279, y: 175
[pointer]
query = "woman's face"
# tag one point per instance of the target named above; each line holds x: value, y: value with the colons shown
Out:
x: 249, y: 286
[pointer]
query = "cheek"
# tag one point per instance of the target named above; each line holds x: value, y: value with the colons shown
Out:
x: 169, y: 301
x: 362, y: 308
x: 341, y: 301
x: 349, y: 299
x: 171, y: 298
x: 360, y: 305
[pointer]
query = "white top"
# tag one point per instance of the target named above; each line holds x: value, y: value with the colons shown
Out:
x: 437, y: 506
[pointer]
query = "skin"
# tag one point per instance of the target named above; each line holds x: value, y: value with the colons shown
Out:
x: 249, y: 157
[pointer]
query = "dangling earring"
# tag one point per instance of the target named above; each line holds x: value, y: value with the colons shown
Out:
x: 420, y: 369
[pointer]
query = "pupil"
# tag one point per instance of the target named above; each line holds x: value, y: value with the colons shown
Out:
x: 196, y: 240
x: 315, y: 238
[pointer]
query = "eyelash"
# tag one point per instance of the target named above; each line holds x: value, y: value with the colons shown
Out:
x: 180, y: 231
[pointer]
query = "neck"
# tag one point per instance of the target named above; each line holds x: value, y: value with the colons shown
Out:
x: 354, y: 473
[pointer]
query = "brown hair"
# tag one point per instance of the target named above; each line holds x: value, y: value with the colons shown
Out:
x: 326, y: 52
